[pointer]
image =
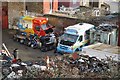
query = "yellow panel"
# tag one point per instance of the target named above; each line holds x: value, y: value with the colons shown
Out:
x: 28, y: 18
x: 29, y: 30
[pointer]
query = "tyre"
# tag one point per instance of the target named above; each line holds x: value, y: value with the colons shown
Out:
x: 29, y: 44
x: 21, y: 41
x: 77, y: 50
x: 33, y: 46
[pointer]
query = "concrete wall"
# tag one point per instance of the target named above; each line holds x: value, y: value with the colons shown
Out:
x: 74, y: 3
x: 84, y: 3
x: 114, y: 5
x: 69, y: 3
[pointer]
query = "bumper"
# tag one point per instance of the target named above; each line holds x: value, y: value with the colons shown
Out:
x: 59, y: 50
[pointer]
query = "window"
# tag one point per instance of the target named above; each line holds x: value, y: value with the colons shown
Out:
x: 69, y: 37
x: 87, y: 34
x: 37, y: 28
x: 80, y: 39
x: 94, y: 3
x: 44, y: 27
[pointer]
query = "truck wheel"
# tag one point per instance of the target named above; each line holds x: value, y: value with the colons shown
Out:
x: 32, y: 45
x: 21, y: 41
x: 29, y: 43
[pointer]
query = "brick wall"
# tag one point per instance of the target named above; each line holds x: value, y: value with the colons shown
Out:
x: 36, y: 7
x: 14, y: 11
x: 55, y: 5
x: 60, y: 22
x: 46, y: 6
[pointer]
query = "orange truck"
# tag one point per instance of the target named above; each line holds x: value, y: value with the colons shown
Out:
x: 35, y: 25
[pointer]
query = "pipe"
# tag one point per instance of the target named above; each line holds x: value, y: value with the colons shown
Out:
x: 109, y: 37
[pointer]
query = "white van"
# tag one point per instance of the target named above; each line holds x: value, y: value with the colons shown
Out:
x: 75, y: 37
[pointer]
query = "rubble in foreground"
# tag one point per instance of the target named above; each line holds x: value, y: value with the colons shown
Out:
x: 67, y: 66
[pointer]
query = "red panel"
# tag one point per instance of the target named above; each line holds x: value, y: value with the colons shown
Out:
x: 4, y: 15
x: 4, y: 22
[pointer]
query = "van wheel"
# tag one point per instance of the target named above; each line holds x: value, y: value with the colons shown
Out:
x: 77, y: 50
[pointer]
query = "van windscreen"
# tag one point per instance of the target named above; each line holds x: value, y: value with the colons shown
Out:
x: 69, y: 37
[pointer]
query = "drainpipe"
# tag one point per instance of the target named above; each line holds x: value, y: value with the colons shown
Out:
x: 109, y: 38
x: 119, y: 35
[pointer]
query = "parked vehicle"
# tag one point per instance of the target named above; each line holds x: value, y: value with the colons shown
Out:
x: 19, y: 37
x: 31, y: 29
x: 35, y: 25
x: 48, y: 43
x: 35, y: 43
x: 75, y: 37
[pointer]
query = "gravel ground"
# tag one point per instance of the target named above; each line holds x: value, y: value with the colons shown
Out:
x: 25, y: 52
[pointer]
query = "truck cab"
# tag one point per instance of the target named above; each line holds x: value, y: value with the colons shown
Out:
x: 75, y: 37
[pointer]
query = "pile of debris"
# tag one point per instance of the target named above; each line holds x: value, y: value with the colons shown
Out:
x: 83, y: 66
